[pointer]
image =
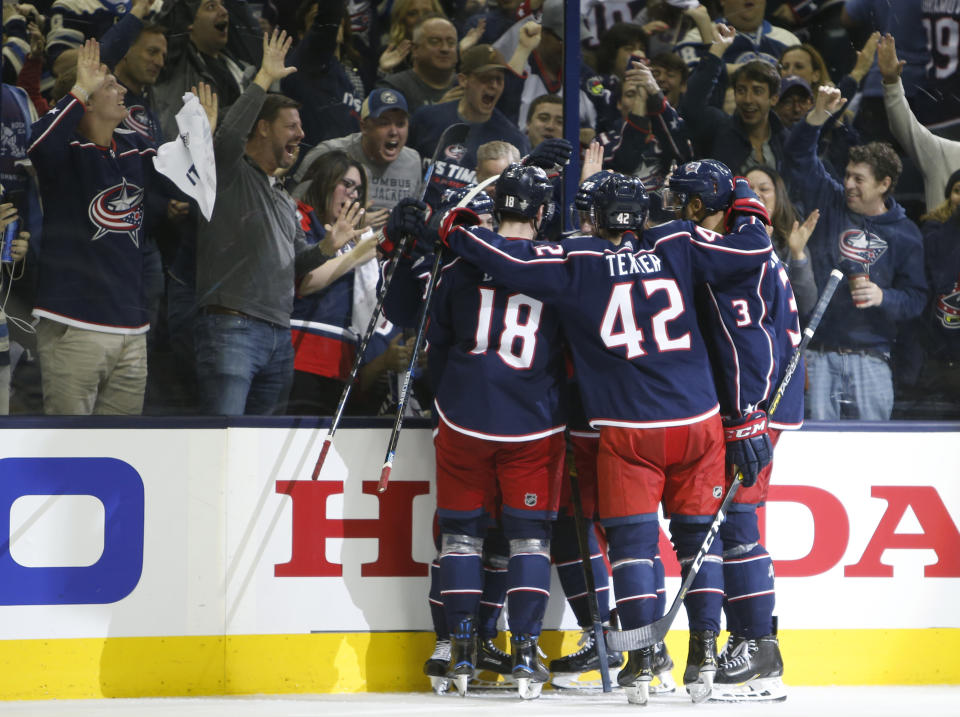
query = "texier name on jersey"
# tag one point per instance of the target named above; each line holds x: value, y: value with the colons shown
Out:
x: 625, y: 264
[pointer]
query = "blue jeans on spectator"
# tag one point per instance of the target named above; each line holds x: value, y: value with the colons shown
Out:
x: 244, y: 365
x: 848, y: 385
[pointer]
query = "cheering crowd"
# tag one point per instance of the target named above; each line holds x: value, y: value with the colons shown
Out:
x: 130, y: 301
x: 200, y: 198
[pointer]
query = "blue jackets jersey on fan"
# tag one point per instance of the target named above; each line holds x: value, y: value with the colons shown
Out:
x: 891, y: 238
x: 91, y: 267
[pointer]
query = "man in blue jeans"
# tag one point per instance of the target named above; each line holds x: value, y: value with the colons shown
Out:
x: 865, y: 233
x: 251, y: 252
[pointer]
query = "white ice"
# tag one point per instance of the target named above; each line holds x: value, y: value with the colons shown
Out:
x: 801, y: 702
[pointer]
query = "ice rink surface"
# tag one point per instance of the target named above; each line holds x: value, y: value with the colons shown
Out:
x: 801, y: 702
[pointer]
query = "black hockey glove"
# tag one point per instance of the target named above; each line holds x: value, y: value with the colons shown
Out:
x: 748, y: 445
x: 407, y: 217
x: 550, y: 153
x: 745, y: 201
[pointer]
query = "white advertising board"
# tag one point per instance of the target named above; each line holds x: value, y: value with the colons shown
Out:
x: 228, y: 534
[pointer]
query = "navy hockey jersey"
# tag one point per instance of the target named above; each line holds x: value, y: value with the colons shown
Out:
x: 502, y: 373
x: 628, y: 311
x: 752, y: 328
x: 91, y: 266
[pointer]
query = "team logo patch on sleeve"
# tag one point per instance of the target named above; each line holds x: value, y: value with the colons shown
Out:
x: 118, y: 209
x: 138, y: 120
x: 948, y: 309
x: 862, y: 247
x: 595, y: 86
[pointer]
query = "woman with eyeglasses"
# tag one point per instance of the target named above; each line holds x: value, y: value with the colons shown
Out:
x: 325, y: 324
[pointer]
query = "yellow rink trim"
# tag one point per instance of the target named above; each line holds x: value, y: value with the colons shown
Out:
x: 392, y: 662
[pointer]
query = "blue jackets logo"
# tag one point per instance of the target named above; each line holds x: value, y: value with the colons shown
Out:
x: 862, y: 247
x: 118, y: 209
x: 118, y: 486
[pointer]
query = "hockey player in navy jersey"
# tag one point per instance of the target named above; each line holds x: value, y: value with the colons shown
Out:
x: 507, y: 439
x: 752, y: 328
x: 401, y: 305
x: 626, y: 306
x: 95, y: 175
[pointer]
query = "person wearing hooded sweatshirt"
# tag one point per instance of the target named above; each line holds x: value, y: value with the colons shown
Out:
x: 863, y: 231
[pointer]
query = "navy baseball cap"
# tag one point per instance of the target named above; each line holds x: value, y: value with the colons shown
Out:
x: 379, y: 101
x: 793, y: 82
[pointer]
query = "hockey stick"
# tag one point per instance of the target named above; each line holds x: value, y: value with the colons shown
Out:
x: 454, y: 133
x: 649, y: 635
x: 421, y: 329
x: 586, y: 562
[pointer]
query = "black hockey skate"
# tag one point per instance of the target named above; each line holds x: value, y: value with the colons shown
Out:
x: 529, y: 672
x: 492, y: 658
x: 636, y: 677
x: 463, y: 655
x: 587, y: 659
x: 701, y: 664
x: 663, y: 682
x: 436, y: 667
x: 751, y: 672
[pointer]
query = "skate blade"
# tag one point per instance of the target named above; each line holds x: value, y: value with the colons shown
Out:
x: 700, y: 690
x: 638, y: 693
x: 663, y: 684
x: 440, y: 685
x: 492, y: 681
x: 769, y: 689
x: 585, y: 681
x: 528, y: 689
x: 460, y: 682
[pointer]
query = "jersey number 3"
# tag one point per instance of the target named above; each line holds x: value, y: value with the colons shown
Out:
x: 619, y: 325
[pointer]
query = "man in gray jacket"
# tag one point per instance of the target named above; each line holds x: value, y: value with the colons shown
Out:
x: 252, y: 251
x: 393, y: 169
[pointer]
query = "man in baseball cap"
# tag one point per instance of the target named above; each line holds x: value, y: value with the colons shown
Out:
x: 482, y: 72
x: 393, y: 169
x: 796, y: 99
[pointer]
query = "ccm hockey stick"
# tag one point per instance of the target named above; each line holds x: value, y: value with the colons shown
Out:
x: 649, y: 635
x: 421, y: 329
x: 454, y: 134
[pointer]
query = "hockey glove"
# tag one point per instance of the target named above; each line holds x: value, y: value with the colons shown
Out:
x: 550, y: 153
x: 748, y: 445
x: 407, y: 217
x: 745, y: 201
x: 461, y: 217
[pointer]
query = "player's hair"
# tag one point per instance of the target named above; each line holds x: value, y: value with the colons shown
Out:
x: 816, y: 62
x: 882, y: 159
x: 324, y: 175
x: 272, y: 105
x: 671, y: 61
x: 497, y: 149
x: 545, y: 99
x: 619, y: 35
x: 758, y: 71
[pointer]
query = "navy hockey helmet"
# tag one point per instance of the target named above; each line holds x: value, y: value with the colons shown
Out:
x: 620, y: 203
x: 522, y: 191
x: 708, y: 179
x: 481, y: 202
